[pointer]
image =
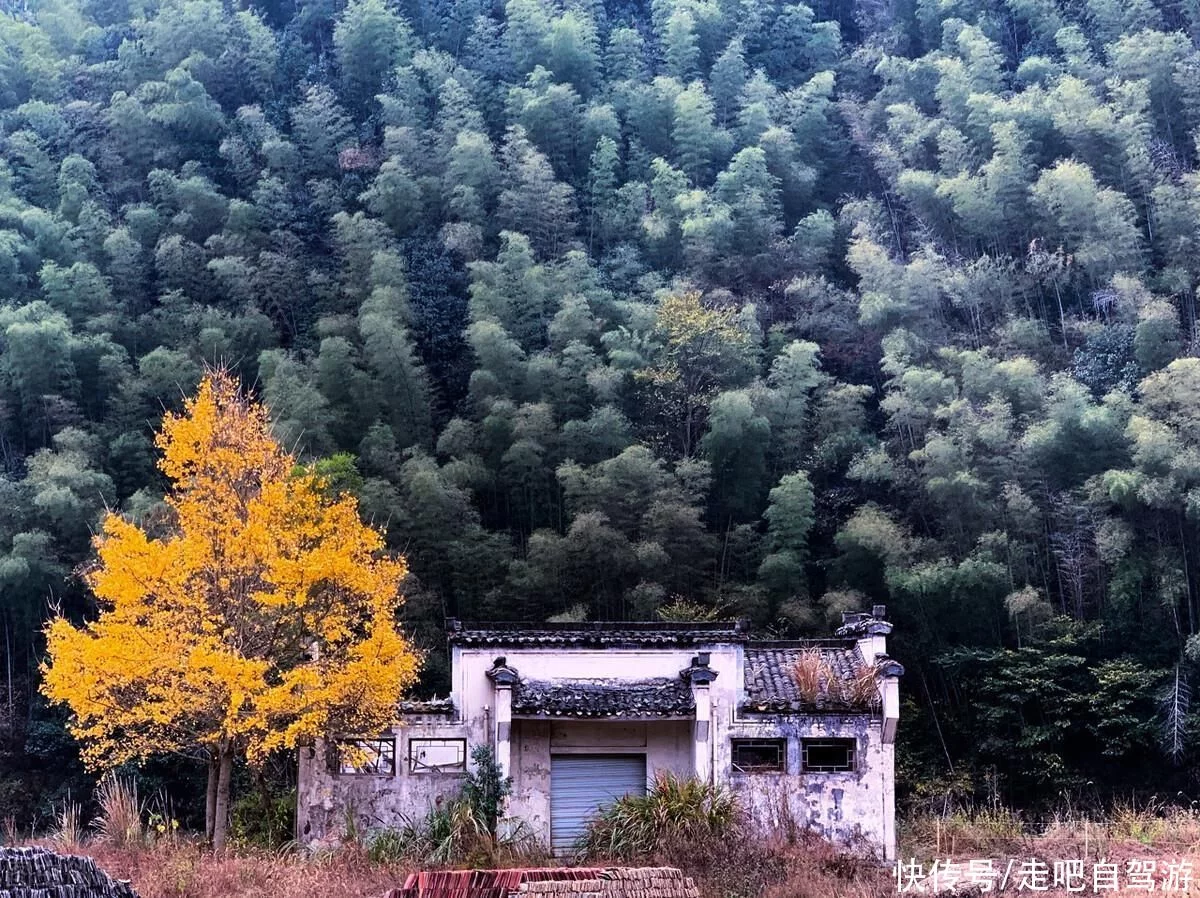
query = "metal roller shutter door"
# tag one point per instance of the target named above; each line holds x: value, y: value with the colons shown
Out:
x: 580, y: 784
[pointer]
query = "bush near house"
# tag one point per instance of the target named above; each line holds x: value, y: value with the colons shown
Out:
x: 676, y: 810
x: 465, y: 831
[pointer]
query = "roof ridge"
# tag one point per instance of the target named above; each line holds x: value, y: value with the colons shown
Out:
x: 832, y: 642
x: 455, y: 626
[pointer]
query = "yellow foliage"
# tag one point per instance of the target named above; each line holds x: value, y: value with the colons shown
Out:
x: 684, y: 319
x: 264, y: 619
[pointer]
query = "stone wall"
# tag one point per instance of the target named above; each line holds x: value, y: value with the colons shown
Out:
x: 855, y: 808
x: 326, y: 801
x: 39, y: 873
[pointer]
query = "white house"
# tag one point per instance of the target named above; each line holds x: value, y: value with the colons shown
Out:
x: 578, y: 714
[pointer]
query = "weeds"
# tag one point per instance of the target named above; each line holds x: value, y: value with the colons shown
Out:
x: 161, y: 824
x: 120, y: 819
x: 68, y: 833
x: 819, y: 684
x: 809, y: 672
x: 453, y: 833
x: 186, y: 870
x: 263, y: 820
x: 995, y: 830
x: 674, y: 810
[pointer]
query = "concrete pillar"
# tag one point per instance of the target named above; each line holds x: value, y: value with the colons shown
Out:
x: 889, y: 801
x: 503, y: 734
x: 700, y: 676
x: 702, y: 734
x: 889, y: 689
x: 503, y: 678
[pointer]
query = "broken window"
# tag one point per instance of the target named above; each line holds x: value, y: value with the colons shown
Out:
x: 827, y: 755
x: 759, y: 755
x: 376, y: 757
x: 428, y: 755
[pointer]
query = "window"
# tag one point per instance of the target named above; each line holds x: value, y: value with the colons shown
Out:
x: 759, y: 755
x: 376, y: 757
x: 827, y: 755
x: 431, y: 755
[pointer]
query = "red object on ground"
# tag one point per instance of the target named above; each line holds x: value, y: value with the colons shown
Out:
x: 484, y: 883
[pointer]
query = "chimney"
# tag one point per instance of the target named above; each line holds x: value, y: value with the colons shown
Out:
x: 870, y: 631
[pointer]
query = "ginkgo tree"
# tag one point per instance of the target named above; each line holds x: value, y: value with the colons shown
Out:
x: 262, y: 617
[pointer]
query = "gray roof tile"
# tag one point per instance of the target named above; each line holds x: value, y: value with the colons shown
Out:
x: 771, y: 688
x: 427, y: 706
x: 665, y: 697
x: 597, y: 633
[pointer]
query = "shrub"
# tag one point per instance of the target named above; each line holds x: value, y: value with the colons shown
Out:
x: 452, y: 834
x: 264, y: 820
x: 120, y: 819
x: 485, y: 789
x: 819, y: 684
x: 675, y: 811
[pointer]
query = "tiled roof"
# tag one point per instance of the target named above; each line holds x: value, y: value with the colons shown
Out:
x: 665, y: 697
x: 429, y: 706
x: 598, y: 633
x: 770, y: 687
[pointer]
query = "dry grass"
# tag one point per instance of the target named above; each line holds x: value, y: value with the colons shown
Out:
x: 863, y: 690
x: 734, y: 866
x: 187, y: 871
x: 1154, y: 832
x: 808, y: 867
x: 120, y: 819
x: 724, y: 868
x: 809, y: 672
x: 68, y: 831
x: 980, y: 833
x: 818, y: 682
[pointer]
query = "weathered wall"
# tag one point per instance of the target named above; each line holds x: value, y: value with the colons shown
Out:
x: 844, y: 807
x: 325, y: 799
x: 667, y: 745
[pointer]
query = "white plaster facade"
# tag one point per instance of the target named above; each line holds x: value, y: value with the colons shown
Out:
x: 709, y: 687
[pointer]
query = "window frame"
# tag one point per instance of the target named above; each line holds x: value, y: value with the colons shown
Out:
x: 384, y: 748
x: 419, y: 769
x: 850, y: 745
x: 779, y: 744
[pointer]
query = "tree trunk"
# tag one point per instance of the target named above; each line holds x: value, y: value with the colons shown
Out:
x: 210, y: 803
x: 221, y: 810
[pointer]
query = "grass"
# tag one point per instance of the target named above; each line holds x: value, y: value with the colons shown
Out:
x: 68, y: 832
x: 1152, y: 831
x: 700, y: 828
x: 452, y: 834
x: 817, y: 682
x: 120, y: 819
x: 674, y: 810
x: 729, y: 868
x: 185, y: 870
x: 697, y: 831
